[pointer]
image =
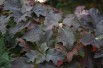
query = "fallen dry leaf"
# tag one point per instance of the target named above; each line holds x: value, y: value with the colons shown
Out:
x: 71, y: 54
x: 61, y: 48
x: 23, y: 44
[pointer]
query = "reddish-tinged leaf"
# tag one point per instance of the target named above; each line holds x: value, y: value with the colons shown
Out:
x: 94, y: 48
x: 75, y: 51
x: 78, y: 46
x: 80, y: 11
x: 59, y: 63
x: 65, y: 60
x: 70, y: 56
x: 31, y: 2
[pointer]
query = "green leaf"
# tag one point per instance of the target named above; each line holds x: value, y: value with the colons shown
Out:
x: 33, y: 34
x: 81, y: 53
x: 43, y: 47
x: 71, y: 20
x: 58, y: 5
x: 54, y: 56
x: 40, y: 58
x: 4, y: 58
x: 77, y: 35
x: 18, y: 27
x: 37, y: 56
x: 10, y: 41
x: 32, y: 55
x: 11, y: 23
x: 3, y: 23
x: 1, y: 44
x: 66, y: 36
x: 20, y: 63
x: 1, y: 2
